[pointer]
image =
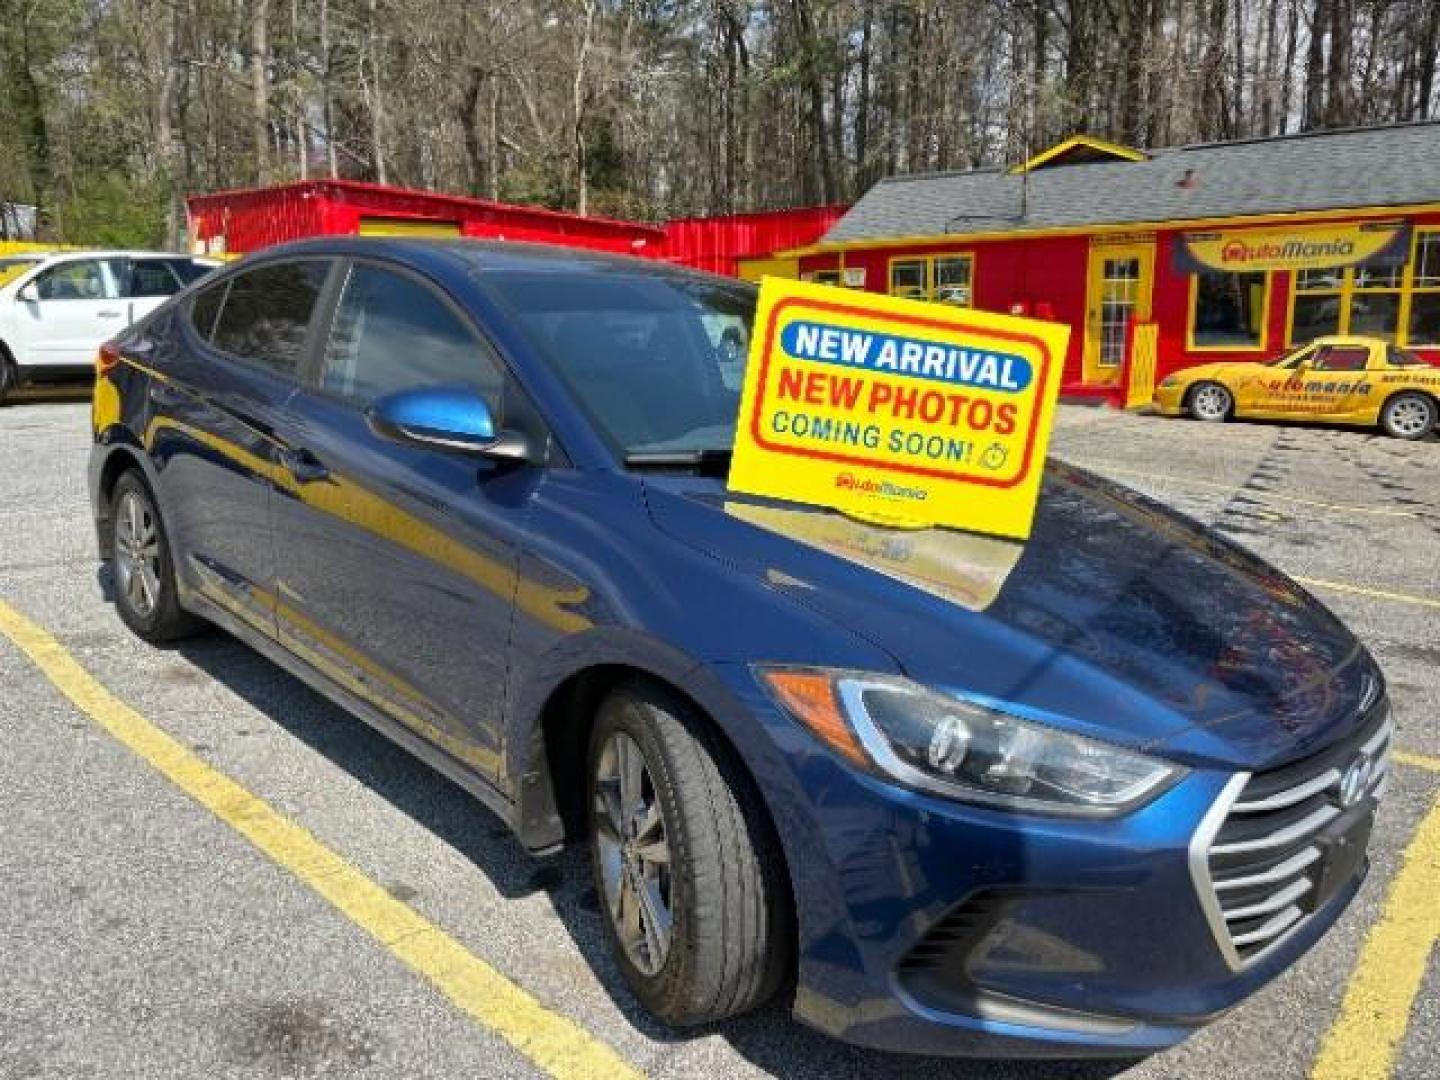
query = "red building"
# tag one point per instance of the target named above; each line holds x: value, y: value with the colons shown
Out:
x: 1160, y: 260
x: 240, y: 221
x: 736, y: 244
x: 743, y: 245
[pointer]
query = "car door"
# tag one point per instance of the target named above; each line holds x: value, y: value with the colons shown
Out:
x: 76, y: 306
x: 397, y: 563
x: 148, y: 283
x: 1330, y: 379
x: 232, y: 361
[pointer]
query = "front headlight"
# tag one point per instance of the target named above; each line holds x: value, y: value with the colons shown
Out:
x: 963, y: 749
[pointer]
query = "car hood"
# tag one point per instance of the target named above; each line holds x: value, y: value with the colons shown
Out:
x: 1220, y: 368
x: 1118, y: 618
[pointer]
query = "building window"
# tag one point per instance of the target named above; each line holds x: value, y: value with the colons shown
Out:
x: 946, y: 278
x: 1397, y: 304
x: 1319, y: 296
x: 1375, y: 301
x: 1228, y: 311
x: 822, y: 277
x: 1423, y: 325
x: 909, y: 278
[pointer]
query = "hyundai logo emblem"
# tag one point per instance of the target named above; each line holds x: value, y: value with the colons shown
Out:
x: 1355, y: 783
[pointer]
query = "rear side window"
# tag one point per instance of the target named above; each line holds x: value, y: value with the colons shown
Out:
x: 188, y: 270
x: 152, y: 277
x: 391, y: 332
x: 266, y: 313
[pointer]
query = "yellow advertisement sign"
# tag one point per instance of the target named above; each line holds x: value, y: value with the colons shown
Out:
x: 1294, y: 247
x: 897, y: 412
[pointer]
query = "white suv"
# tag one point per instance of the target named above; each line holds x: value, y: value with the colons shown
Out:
x: 56, y: 311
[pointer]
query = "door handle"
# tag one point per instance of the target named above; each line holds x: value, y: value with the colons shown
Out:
x: 109, y: 314
x: 304, y: 466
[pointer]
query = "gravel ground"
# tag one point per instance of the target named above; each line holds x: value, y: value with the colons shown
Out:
x: 144, y: 938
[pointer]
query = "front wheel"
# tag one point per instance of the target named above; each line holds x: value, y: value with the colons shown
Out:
x: 1408, y: 416
x: 1211, y: 402
x: 687, y: 869
x: 144, y: 571
x: 9, y: 375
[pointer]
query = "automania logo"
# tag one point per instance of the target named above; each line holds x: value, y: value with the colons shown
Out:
x: 883, y: 489
x: 1237, y: 251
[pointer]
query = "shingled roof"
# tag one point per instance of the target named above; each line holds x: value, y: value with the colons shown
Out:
x: 1392, y: 165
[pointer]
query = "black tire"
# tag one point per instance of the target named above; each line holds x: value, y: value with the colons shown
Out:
x: 1408, y: 415
x: 163, y: 619
x: 732, y: 930
x: 9, y: 375
x: 1211, y: 402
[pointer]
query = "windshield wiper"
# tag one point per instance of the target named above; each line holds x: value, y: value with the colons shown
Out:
x: 711, y: 462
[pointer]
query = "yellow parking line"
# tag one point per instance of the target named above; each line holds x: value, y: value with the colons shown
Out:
x: 1235, y: 489
x: 556, y: 1044
x: 1366, y: 1038
x: 1365, y: 590
x: 1419, y: 761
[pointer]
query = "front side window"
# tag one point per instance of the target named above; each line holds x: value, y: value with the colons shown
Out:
x: 1341, y: 358
x: 79, y: 279
x: 266, y: 313
x: 391, y: 332
x: 205, y: 309
x: 637, y: 352
x: 1396, y: 357
x: 1229, y: 311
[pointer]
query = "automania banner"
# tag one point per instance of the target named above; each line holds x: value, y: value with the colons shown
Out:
x: 1293, y: 247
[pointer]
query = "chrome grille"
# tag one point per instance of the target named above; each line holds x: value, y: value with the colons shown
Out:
x: 1256, y: 857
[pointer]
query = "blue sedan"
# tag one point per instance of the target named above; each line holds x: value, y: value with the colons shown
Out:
x: 939, y: 793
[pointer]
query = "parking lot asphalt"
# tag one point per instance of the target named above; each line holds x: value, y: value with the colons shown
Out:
x: 146, y: 935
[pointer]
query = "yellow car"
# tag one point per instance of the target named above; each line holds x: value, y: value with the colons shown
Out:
x: 1339, y: 380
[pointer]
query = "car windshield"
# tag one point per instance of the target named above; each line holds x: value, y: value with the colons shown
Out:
x: 656, y: 360
x: 1285, y: 360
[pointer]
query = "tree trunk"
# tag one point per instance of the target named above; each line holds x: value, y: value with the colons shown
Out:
x: 1314, y: 113
x: 260, y: 87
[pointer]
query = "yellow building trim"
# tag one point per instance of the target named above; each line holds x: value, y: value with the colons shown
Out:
x: 1264, y: 343
x: 1296, y: 216
x: 1088, y: 142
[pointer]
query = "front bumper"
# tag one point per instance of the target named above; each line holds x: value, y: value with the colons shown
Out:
x: 931, y: 926
x: 1169, y: 400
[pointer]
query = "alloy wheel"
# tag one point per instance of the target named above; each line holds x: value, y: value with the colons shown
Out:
x: 137, y: 554
x: 1409, y: 417
x: 634, y: 853
x: 1210, y: 402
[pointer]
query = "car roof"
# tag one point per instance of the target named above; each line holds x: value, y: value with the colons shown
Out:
x: 1346, y: 339
x: 63, y: 256
x: 487, y: 256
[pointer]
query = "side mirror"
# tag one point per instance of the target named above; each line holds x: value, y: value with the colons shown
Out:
x: 29, y: 293
x: 449, y: 418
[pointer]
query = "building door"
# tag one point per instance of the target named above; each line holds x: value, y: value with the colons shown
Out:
x: 1117, y: 294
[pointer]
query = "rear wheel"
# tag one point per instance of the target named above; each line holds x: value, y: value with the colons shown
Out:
x: 1211, y: 402
x: 1408, y: 416
x: 145, y: 593
x: 690, y: 880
